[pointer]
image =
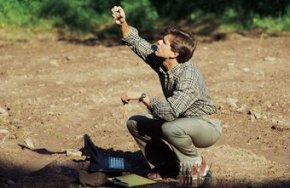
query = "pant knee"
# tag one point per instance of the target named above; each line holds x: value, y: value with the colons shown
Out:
x: 169, y: 130
x: 131, y: 124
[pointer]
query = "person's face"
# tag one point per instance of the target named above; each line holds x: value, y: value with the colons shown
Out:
x: 164, y: 49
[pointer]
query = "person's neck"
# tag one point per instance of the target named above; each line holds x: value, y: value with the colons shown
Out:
x: 170, y: 63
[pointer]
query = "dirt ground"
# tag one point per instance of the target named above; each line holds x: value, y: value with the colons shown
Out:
x: 54, y: 92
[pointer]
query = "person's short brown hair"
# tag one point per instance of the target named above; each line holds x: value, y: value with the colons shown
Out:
x: 183, y: 43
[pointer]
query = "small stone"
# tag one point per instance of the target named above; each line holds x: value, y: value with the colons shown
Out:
x: 268, y: 58
x: 3, y: 112
x: 4, y: 131
x: 280, y: 125
x: 257, y: 112
x: 225, y: 126
x: 73, y: 152
x: 29, y: 143
x: 251, y: 117
x: 274, y: 121
x: 232, y: 102
x: 267, y: 104
x: 243, y: 109
x: 246, y: 69
x: 265, y: 117
x: 78, y: 137
x: 60, y: 82
x: 261, y: 85
x: 54, y: 63
x: 67, y: 58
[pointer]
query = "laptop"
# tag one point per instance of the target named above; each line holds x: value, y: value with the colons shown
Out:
x: 104, y: 160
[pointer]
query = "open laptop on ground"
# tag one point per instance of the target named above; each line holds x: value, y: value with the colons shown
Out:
x: 104, y: 160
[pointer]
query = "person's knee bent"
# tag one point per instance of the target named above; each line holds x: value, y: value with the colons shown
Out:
x: 132, y: 124
x: 169, y: 130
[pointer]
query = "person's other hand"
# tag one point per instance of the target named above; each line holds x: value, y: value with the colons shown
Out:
x: 129, y: 96
x: 118, y: 15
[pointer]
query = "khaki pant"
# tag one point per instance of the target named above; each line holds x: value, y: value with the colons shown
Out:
x: 177, y: 141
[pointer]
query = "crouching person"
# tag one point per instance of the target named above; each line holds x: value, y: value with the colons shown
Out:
x: 181, y: 123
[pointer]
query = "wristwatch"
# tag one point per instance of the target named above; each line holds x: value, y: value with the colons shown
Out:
x: 143, y: 95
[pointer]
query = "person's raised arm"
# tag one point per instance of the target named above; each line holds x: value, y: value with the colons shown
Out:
x: 131, y: 38
x: 120, y: 19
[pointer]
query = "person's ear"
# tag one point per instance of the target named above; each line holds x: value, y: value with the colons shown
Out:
x: 174, y: 55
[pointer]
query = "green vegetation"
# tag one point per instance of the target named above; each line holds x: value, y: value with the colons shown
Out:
x: 94, y: 16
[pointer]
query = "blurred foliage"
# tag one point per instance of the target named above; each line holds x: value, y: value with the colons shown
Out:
x: 242, y: 14
x: 77, y: 14
x: 16, y: 12
x: 141, y: 13
x: 94, y: 16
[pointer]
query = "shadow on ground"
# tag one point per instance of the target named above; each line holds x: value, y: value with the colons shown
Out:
x: 61, y: 172
x: 65, y: 173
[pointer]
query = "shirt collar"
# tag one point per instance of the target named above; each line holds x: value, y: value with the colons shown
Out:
x: 175, y: 69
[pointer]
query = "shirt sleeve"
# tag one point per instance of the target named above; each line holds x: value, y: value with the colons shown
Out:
x: 185, y: 94
x: 141, y: 47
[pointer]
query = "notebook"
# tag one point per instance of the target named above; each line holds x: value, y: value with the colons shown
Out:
x: 131, y: 180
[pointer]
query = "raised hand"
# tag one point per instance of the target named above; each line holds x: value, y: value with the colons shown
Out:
x: 118, y: 15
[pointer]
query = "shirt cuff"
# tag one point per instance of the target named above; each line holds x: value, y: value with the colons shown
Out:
x: 131, y: 36
x: 152, y: 105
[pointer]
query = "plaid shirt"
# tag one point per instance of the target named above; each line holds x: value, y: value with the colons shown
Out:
x: 183, y: 86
